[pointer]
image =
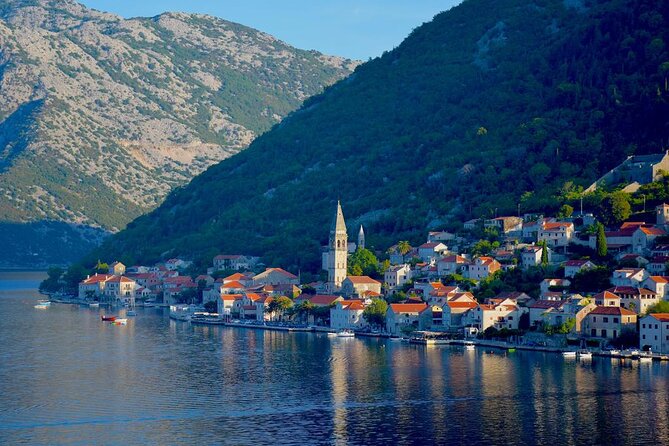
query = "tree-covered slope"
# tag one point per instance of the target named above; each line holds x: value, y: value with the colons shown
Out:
x: 100, y: 117
x: 492, y: 104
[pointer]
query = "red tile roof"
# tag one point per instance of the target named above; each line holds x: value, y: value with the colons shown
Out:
x: 323, y: 299
x: 408, y: 308
x: 630, y: 290
x: 233, y: 284
x: 352, y: 305
x: 362, y: 280
x: 546, y: 304
x: 612, y: 311
x: 461, y: 304
x: 652, y: 231
x: 96, y: 279
x: 231, y: 296
x: 119, y: 279
x: 577, y: 262
x: 662, y: 317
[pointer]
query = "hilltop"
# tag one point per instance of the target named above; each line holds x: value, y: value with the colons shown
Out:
x: 494, y: 106
x: 100, y: 117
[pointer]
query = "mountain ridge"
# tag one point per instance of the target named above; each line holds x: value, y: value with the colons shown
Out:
x: 94, y: 105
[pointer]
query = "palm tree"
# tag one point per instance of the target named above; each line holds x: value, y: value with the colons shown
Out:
x: 404, y: 247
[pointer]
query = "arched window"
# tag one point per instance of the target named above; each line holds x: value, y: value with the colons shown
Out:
x: 338, y: 244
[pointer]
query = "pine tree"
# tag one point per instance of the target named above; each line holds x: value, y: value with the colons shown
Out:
x: 544, y: 254
x: 602, y: 249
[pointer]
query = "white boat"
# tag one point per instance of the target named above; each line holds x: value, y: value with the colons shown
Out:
x: 470, y: 346
x: 584, y: 354
x: 45, y: 303
x: 345, y: 334
x: 181, y: 312
x: 42, y: 306
x: 569, y: 354
x: 94, y: 304
x: 119, y: 321
x: 131, y: 313
x: 331, y: 333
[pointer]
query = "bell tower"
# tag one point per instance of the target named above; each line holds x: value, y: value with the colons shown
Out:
x: 338, y: 251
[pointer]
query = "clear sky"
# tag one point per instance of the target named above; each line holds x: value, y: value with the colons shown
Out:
x: 357, y: 29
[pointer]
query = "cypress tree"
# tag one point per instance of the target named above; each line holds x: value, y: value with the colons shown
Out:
x: 602, y: 249
x: 544, y: 254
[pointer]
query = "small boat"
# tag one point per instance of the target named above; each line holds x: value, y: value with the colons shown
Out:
x: 94, y: 304
x: 332, y: 333
x: 395, y: 338
x: 108, y: 318
x: 405, y: 339
x: 345, y: 334
x: 569, y: 354
x: 41, y: 306
x: 584, y: 354
x: 511, y: 350
x: 120, y: 321
x: 44, y: 303
x: 131, y: 313
x: 470, y: 347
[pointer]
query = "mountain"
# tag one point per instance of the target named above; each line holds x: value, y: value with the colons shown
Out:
x: 101, y: 117
x: 492, y: 107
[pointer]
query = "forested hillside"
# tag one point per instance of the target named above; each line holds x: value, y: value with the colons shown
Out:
x: 492, y: 105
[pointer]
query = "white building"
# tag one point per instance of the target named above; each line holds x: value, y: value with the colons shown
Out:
x: 396, y: 276
x: 348, y: 315
x: 654, y: 332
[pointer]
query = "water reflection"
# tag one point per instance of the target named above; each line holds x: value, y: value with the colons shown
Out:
x: 65, y: 377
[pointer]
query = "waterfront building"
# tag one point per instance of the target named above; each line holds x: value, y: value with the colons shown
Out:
x: 654, y: 332
x: 609, y: 322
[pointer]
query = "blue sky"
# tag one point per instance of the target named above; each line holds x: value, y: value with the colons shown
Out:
x: 351, y: 28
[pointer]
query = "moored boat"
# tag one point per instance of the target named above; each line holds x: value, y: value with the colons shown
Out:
x: 569, y: 354
x: 584, y: 354
x: 108, y: 318
x: 345, y: 334
x: 119, y: 321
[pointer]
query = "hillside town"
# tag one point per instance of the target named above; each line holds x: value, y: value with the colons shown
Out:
x: 443, y: 287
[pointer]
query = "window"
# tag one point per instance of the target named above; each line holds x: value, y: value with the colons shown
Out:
x: 594, y: 319
x: 615, y: 320
x: 643, y: 336
x: 643, y: 325
x: 606, y: 320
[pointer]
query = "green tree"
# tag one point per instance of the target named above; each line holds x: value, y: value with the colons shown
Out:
x: 363, y: 261
x: 101, y: 267
x: 565, y: 211
x: 544, y: 254
x: 52, y: 283
x: 375, y: 312
x: 660, y: 307
x: 602, y: 248
x: 403, y: 247
x: 615, y: 208
x: 305, y: 309
x: 282, y: 304
x: 75, y: 274
x: 591, y: 280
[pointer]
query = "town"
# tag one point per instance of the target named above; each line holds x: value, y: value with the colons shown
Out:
x: 444, y: 288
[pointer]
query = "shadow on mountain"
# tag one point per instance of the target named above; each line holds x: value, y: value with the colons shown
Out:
x: 44, y: 243
x: 16, y: 131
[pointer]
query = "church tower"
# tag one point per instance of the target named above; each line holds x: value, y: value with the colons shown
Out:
x: 338, y: 251
x: 361, y: 238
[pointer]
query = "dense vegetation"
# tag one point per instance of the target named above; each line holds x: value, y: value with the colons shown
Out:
x: 493, y: 107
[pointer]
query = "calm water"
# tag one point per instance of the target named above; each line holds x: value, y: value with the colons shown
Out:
x: 66, y: 377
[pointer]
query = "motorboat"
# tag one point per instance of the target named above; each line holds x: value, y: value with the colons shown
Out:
x: 345, y: 334
x: 470, y: 346
x: 108, y: 318
x: 332, y: 333
x: 569, y: 354
x: 584, y: 354
x: 94, y: 304
x: 43, y: 305
x: 120, y: 321
x: 181, y: 312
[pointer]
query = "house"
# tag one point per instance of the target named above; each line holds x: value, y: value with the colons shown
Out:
x: 554, y: 285
x: 93, y: 286
x: 204, y: 278
x: 440, y: 236
x: 635, y: 260
x: 609, y: 322
x: 644, y: 238
x: 607, y: 299
x: 175, y: 264
x: 146, y: 280
x: 654, y: 332
x: 531, y: 256
x: 431, y: 251
x: 319, y: 300
x: 275, y: 276
x: 117, y: 269
x: 482, y: 267
x: 401, y: 317
x: 641, y: 169
x: 235, y: 262
x: 484, y: 316
x: 572, y: 267
x: 242, y: 279
x: 556, y: 234
x: 540, y: 308
x: 531, y: 229
x: 442, y: 294
x: 472, y: 224
x: 629, y: 277
x: 226, y: 304
x: 247, y: 307
x: 262, y: 305
x: 453, y: 264
x: 505, y: 225
x: 357, y: 285
x: 452, y: 312
x: 658, y: 265
x: 120, y: 288
x: 657, y: 284
x: 396, y: 276
x: 348, y: 315
x: 519, y: 298
x: 635, y: 299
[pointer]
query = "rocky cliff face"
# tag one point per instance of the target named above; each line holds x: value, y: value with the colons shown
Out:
x: 101, y: 117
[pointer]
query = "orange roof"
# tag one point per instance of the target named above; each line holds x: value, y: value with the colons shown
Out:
x: 408, y: 308
x: 280, y: 271
x: 659, y: 279
x: 233, y: 284
x: 652, y: 231
x: 606, y: 295
x: 460, y: 304
x: 352, y: 305
x: 225, y: 297
x: 662, y: 317
x: 323, y: 299
x: 120, y: 279
x: 253, y: 296
x: 96, y: 279
x: 362, y: 280
x: 556, y: 225
x: 236, y: 276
